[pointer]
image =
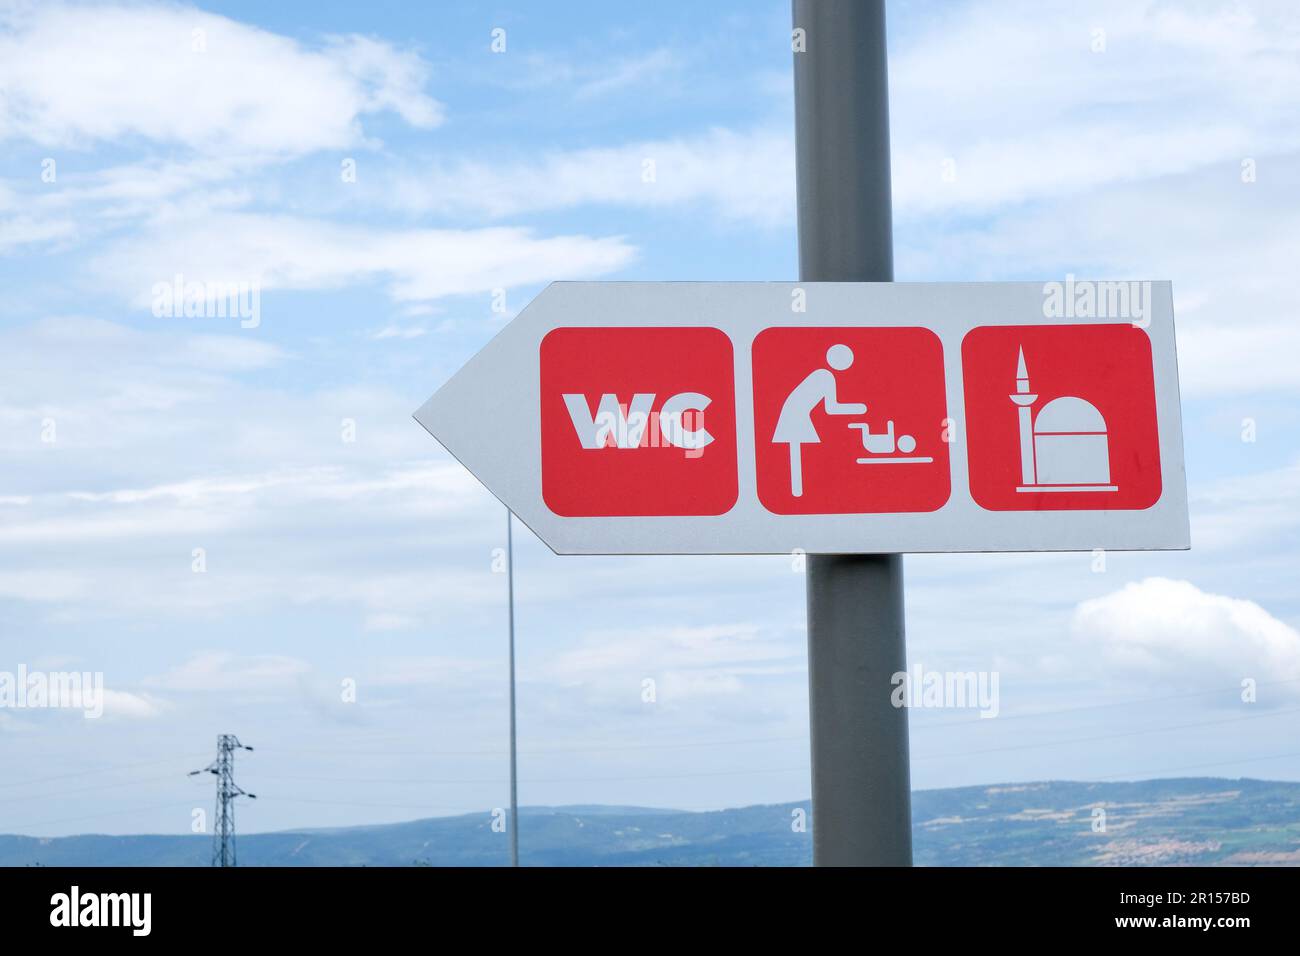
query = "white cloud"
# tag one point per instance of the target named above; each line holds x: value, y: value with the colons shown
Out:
x: 286, y: 252
x: 630, y: 71
x: 446, y: 484
x: 26, y: 230
x: 195, y: 491
x: 270, y: 539
x: 96, y: 201
x: 373, y: 559
x: 390, y: 80
x: 587, y: 79
x: 222, y: 671
x: 169, y: 441
x: 1014, y: 94
x: 445, y: 671
x: 1172, y: 633
x: 43, y: 585
x: 103, y: 384
x: 741, y: 175
x: 1245, y: 357
x: 1175, y: 91
x: 59, y: 334
x: 1245, y: 510
x: 400, y: 332
x: 78, y: 75
x: 685, y: 662
x: 381, y: 621
x: 120, y: 703
x: 98, y: 526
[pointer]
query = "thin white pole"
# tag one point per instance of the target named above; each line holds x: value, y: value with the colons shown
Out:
x: 514, y: 769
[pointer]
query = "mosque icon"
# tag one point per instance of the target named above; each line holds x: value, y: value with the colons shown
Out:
x: 1064, y: 447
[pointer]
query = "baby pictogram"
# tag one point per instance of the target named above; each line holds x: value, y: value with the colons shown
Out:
x: 882, y: 449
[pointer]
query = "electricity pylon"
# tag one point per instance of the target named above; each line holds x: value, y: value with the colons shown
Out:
x: 223, y: 768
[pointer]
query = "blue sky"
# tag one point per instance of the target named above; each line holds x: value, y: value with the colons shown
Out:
x: 1027, y: 144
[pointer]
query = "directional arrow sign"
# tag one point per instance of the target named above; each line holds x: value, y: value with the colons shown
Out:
x: 764, y: 417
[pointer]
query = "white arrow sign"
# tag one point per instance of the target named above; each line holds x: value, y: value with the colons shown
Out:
x: 765, y: 417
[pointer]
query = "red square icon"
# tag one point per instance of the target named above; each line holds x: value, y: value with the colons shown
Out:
x: 1061, y: 417
x: 638, y: 421
x: 850, y: 420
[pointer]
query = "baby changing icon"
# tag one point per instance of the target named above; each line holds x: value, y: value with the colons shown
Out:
x: 828, y: 401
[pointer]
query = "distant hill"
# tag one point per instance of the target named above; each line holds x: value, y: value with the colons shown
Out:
x: 1204, y: 821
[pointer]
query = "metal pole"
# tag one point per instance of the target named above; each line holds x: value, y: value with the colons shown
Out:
x: 861, y: 779
x: 514, y: 768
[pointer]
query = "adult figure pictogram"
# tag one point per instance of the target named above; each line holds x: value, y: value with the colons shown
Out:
x: 795, y: 426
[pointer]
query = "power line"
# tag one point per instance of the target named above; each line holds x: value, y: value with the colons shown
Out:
x: 1128, y: 733
x: 223, y: 844
x: 453, y: 781
x: 1199, y: 766
x: 92, y: 770
x: 539, y: 750
x: 96, y: 788
x: 685, y: 745
x: 1106, y: 706
x: 95, y: 816
x: 1011, y: 747
x: 373, y: 806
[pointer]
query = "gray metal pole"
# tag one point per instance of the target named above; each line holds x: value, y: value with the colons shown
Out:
x: 514, y: 768
x: 861, y: 778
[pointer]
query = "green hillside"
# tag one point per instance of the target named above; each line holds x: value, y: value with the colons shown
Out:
x: 1203, y: 821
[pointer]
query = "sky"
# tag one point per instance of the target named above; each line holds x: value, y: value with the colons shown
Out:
x: 397, y: 189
